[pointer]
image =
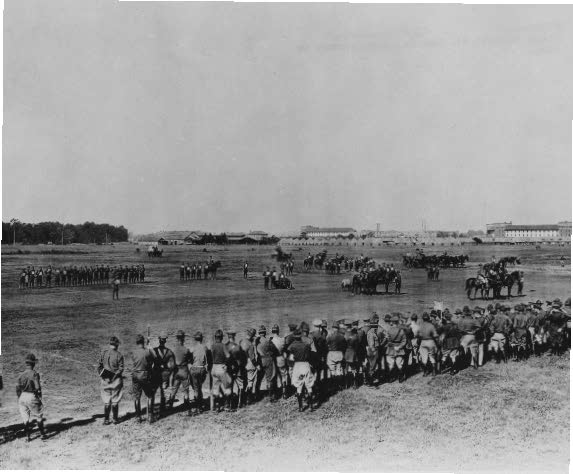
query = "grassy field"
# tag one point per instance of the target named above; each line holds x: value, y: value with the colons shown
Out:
x: 501, y: 417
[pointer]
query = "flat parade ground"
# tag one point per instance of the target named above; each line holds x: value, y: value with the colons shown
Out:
x: 501, y: 417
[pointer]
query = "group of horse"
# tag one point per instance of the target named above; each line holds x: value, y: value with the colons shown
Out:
x: 154, y: 251
x: 367, y: 282
x: 420, y: 260
x: 495, y: 283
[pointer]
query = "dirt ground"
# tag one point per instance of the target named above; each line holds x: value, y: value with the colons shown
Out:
x: 510, y: 417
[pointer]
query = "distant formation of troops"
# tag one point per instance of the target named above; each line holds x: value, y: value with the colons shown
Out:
x: 313, y: 364
x: 79, y: 276
x: 198, y: 271
x: 272, y: 279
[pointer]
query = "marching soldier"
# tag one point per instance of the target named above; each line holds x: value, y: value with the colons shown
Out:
x: 164, y: 370
x: 182, y: 357
x: 110, y: 370
x: 142, y: 378
x: 29, y: 392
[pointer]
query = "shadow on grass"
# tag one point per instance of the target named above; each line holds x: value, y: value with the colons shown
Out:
x: 16, y: 431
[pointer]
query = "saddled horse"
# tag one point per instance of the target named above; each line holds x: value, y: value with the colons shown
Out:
x: 211, y: 270
x: 319, y: 259
x: 308, y: 263
x: 477, y: 284
x: 508, y: 280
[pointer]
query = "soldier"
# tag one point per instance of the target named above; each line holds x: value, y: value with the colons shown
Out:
x: 221, y: 377
x: 200, y: 366
x: 268, y: 352
x: 116, y: 282
x: 468, y: 327
x: 274, y: 278
x: 500, y: 327
x: 303, y: 377
x: 351, y: 356
x: 245, y: 270
x: 163, y: 370
x: 267, y: 277
x: 29, y: 392
x: 396, y: 349
x: 238, y: 367
x: 252, y: 363
x: 142, y: 378
x: 519, y: 340
x: 450, y: 343
x: 110, y: 370
x: 372, y: 351
x: 428, y: 344
x: 280, y: 361
x: 289, y: 338
x: 182, y: 357
x: 336, y: 344
x: 319, y: 363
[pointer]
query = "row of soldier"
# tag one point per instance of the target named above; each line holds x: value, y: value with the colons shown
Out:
x: 315, y: 364
x: 79, y: 275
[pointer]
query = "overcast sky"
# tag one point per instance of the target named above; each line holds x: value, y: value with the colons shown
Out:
x: 229, y: 117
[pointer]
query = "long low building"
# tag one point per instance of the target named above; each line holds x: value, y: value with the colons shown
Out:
x: 311, y: 231
x: 530, y: 231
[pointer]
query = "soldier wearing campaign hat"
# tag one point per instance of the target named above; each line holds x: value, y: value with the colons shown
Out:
x: 280, y: 361
x: 110, y: 370
x: 142, y: 377
x: 163, y: 370
x: 396, y: 341
x: 182, y: 357
x: 248, y: 346
x: 372, y: 352
x: 29, y: 392
x: 267, y: 352
x: 318, y: 358
x: 336, y: 344
x: 221, y: 371
x: 200, y: 363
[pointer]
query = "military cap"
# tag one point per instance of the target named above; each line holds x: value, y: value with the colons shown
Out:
x: 557, y: 303
x: 373, y: 323
x: 163, y: 335
x: 425, y: 316
x: 478, y: 309
x: 297, y: 334
x: 519, y: 308
x: 251, y: 332
x: 387, y: 318
x: 395, y: 318
x: 356, y: 323
x: 498, y: 306
x: 342, y: 326
x: 458, y: 311
x: 180, y: 333
x: 317, y: 322
x: 31, y: 359
x: 262, y: 329
x: 336, y: 324
x: 275, y: 328
x: 198, y: 336
x: 219, y: 333
x: 568, y: 302
x: 448, y: 316
x: 367, y: 321
x: 324, y: 323
x: 139, y: 339
x: 231, y: 332
x: 414, y: 317
x: 489, y: 307
x: 466, y: 310
x: 292, y: 326
x: 114, y: 341
x: 347, y: 323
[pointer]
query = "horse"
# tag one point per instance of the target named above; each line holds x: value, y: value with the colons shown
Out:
x: 346, y: 284
x: 211, y: 269
x: 153, y: 251
x: 308, y: 263
x: 477, y: 284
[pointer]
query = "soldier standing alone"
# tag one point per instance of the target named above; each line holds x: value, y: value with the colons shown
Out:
x: 29, y: 393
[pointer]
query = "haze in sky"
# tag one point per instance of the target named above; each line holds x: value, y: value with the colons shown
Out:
x: 227, y: 117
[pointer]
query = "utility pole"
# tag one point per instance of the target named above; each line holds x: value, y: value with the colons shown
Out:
x: 62, y: 235
x: 14, y: 222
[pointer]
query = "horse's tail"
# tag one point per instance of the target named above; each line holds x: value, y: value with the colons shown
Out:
x: 469, y: 283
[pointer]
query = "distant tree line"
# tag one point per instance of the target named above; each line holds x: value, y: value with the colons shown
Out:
x: 58, y: 233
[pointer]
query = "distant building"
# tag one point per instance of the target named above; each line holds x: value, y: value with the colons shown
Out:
x: 529, y: 231
x: 257, y: 235
x: 311, y: 231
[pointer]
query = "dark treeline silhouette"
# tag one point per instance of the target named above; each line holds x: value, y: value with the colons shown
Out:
x: 56, y: 233
x: 222, y: 239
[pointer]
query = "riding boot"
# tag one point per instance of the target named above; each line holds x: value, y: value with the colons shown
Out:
x: 138, y: 411
x: 299, y: 398
x: 115, y: 411
x: 27, y: 431
x: 497, y: 357
x: 434, y: 370
x: 402, y: 376
x: 504, y: 357
x: 311, y: 403
x: 285, y: 392
x: 41, y: 428
x: 150, y: 411
x: 106, y: 413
